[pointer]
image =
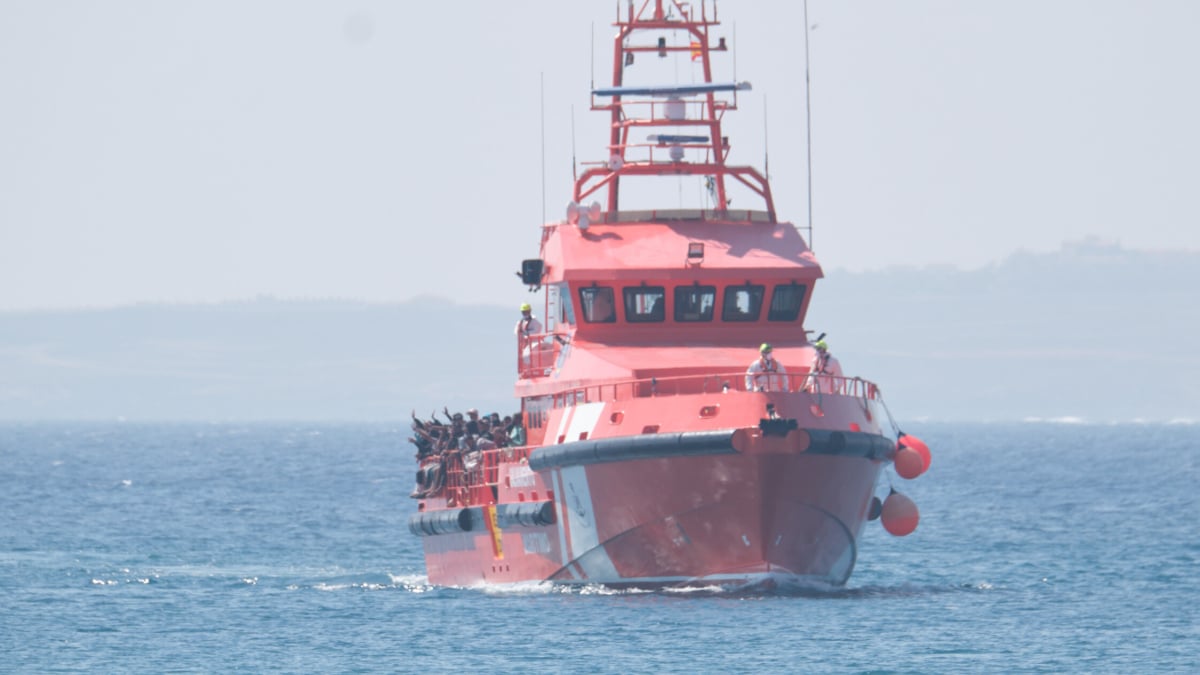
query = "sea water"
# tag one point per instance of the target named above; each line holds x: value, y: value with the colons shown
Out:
x: 127, y: 547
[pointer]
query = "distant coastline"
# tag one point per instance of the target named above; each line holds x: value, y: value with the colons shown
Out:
x: 1092, y: 332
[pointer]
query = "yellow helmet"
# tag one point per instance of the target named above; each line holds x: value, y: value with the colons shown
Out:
x: 525, y: 307
x: 765, y: 348
x: 821, y: 345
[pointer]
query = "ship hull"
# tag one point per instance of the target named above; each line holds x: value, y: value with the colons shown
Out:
x: 753, y: 512
x: 725, y: 520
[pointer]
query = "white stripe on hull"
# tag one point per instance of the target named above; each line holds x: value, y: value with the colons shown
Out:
x: 581, y: 521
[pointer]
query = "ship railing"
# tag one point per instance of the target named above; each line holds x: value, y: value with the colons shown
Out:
x: 655, y: 152
x: 714, y: 215
x: 537, y: 354
x: 819, y: 385
x: 644, y: 112
x: 474, y: 477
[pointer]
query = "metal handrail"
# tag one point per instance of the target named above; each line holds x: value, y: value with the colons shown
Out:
x: 474, y: 485
x: 798, y: 380
x: 536, y: 357
x: 537, y: 353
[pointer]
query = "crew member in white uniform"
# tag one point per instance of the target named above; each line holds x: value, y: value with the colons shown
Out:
x: 825, y: 373
x: 766, y: 374
x: 527, y: 331
x: 527, y: 325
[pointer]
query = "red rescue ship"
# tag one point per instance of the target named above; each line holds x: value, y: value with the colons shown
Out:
x: 653, y: 458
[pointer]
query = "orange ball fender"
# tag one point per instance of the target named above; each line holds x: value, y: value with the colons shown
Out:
x: 908, y: 463
x: 918, y: 445
x: 900, y: 515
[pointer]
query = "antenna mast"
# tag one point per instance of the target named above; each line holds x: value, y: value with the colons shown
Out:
x: 808, y: 124
x: 766, y: 142
x: 542, y: 94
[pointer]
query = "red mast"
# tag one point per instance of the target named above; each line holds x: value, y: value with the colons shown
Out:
x: 681, y: 109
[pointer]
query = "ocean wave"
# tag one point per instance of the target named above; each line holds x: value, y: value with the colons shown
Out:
x: 1070, y: 420
x: 516, y: 588
x: 878, y: 591
x: 124, y: 580
x: 364, y: 582
x: 1065, y: 419
x: 807, y: 589
x: 412, y: 583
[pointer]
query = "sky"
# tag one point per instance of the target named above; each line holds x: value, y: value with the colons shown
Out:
x: 204, y: 151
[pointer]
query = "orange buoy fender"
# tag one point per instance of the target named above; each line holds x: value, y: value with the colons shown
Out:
x: 908, y: 463
x: 899, y: 515
x: 918, y: 445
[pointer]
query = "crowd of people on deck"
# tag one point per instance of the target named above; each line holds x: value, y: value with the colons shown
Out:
x: 462, y: 438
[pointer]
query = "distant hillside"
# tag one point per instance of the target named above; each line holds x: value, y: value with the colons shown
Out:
x: 1091, y: 331
x: 258, y: 360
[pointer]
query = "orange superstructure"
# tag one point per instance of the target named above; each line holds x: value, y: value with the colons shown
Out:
x: 652, y: 458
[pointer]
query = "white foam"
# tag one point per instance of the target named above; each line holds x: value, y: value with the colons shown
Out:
x: 1067, y: 419
x: 546, y: 588
x: 413, y: 583
x: 597, y: 589
x: 517, y: 588
x: 685, y: 590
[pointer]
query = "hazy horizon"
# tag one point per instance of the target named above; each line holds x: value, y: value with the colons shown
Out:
x: 520, y: 295
x: 1093, y: 332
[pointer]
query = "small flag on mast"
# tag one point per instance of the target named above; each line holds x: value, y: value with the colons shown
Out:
x: 697, y: 52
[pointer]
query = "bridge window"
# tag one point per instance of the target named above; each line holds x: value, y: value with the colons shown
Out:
x: 742, y: 303
x: 786, y: 301
x: 645, y: 303
x: 695, y: 303
x: 596, y: 303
